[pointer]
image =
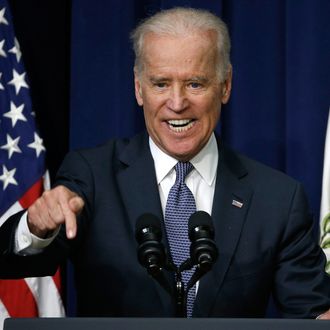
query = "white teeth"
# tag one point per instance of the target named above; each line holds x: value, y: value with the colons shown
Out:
x: 180, y: 122
x: 180, y: 125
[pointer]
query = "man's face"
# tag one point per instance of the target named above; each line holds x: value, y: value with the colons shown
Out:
x: 180, y: 92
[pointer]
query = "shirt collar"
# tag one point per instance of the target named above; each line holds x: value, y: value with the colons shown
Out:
x: 205, y: 162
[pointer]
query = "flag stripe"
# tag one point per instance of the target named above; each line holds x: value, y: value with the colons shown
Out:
x: 42, y: 288
x: 18, y: 299
x: 16, y: 207
x: 3, y: 314
x: 32, y: 194
x: 3, y: 311
x: 57, y: 281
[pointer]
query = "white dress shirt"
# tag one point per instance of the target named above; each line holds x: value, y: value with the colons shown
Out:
x: 201, y: 180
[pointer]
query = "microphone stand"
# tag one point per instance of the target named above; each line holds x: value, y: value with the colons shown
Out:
x: 181, y: 310
x: 158, y: 275
x: 201, y: 269
x: 178, y: 294
x: 198, y: 274
x: 181, y: 293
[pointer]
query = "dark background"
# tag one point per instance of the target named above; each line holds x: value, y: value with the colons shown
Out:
x: 79, y: 62
x: 43, y: 31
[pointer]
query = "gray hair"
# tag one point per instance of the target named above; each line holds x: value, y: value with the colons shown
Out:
x: 184, y: 21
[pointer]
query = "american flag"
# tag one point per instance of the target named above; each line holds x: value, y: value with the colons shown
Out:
x: 23, y: 175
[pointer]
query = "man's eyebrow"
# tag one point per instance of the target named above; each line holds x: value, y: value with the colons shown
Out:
x: 158, y: 79
x: 194, y: 78
x: 197, y: 79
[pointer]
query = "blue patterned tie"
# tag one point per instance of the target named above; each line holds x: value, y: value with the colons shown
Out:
x: 179, y: 207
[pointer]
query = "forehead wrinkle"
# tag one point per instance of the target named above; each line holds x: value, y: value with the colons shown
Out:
x: 206, y: 40
x: 179, y: 63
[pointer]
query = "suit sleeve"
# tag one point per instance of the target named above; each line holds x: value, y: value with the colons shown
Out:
x: 75, y: 174
x: 302, y: 288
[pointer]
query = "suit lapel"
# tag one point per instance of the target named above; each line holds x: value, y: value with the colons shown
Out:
x: 137, y: 180
x: 228, y: 221
x: 139, y: 190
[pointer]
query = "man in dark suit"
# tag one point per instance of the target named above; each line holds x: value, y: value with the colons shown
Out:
x: 263, y: 229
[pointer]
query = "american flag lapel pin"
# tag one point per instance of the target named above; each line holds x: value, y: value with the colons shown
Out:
x: 237, y: 203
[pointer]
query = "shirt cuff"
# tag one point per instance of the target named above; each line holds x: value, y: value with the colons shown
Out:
x: 28, y: 244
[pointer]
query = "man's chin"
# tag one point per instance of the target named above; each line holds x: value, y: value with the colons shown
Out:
x: 180, y: 148
x: 182, y: 155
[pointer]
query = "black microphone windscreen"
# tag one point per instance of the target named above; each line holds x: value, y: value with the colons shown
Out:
x: 147, y: 220
x: 200, y: 218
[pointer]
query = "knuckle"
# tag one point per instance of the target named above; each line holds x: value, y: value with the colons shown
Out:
x: 46, y: 194
x: 58, y: 217
x: 53, y: 226
x: 67, y: 212
x: 38, y: 203
x: 31, y: 213
x: 32, y: 208
x: 42, y: 226
x: 61, y: 189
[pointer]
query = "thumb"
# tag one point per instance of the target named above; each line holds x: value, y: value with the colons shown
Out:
x: 324, y: 316
x: 76, y: 204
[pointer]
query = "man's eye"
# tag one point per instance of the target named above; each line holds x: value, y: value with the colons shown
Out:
x: 160, y: 85
x: 195, y: 85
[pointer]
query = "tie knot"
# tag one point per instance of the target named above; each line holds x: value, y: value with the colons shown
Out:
x: 182, y: 170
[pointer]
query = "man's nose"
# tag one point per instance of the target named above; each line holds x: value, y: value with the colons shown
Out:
x: 177, y: 100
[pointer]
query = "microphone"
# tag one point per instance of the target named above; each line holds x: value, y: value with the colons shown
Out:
x: 203, y: 251
x: 151, y: 252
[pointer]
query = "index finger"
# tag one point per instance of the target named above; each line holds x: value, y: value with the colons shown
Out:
x: 70, y: 219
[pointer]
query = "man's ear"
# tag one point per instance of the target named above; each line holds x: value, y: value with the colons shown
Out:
x: 226, y: 87
x: 138, y: 89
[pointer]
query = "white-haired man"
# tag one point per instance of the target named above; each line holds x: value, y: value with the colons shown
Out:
x: 263, y: 231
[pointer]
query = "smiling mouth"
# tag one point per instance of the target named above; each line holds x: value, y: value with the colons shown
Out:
x: 181, y: 125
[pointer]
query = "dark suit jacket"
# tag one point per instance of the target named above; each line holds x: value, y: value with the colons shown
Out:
x: 265, y: 247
